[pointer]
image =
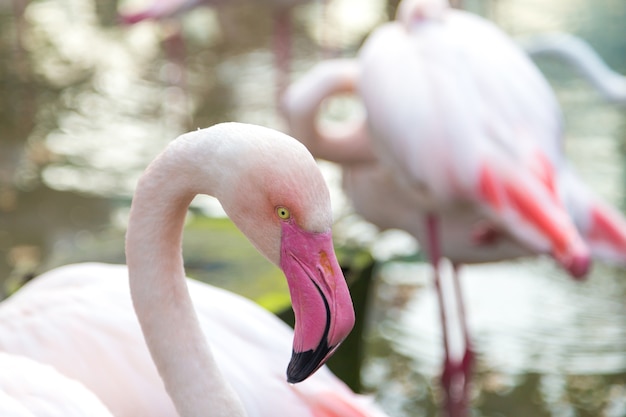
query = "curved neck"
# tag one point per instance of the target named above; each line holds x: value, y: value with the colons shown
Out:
x: 344, y: 144
x: 160, y: 295
x: 584, y: 59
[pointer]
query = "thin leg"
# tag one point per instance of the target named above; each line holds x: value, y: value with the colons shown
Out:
x: 175, y: 51
x: 282, y: 50
x: 455, y: 374
x: 467, y: 363
x: 461, y: 308
x: 176, y: 96
x: 434, y: 250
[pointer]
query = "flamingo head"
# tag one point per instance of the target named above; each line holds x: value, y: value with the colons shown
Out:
x: 279, y: 199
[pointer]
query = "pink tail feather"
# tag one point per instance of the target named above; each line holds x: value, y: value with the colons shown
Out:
x: 542, y: 211
x: 607, y: 233
x: 601, y: 225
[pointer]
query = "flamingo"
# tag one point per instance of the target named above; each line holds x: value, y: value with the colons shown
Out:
x: 461, y: 147
x: 580, y: 55
x: 28, y: 389
x: 228, y: 358
x: 281, y: 10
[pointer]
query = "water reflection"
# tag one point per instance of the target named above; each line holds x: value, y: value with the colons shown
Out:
x: 530, y: 324
x: 85, y: 104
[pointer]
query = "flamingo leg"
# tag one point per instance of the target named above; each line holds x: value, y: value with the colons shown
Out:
x: 467, y: 362
x: 176, y: 95
x: 175, y: 51
x: 282, y: 50
x: 435, y: 257
x: 456, y: 374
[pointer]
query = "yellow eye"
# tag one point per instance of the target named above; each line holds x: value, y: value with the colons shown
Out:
x: 283, y: 213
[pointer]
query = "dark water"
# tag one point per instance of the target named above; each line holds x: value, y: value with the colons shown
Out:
x: 85, y: 104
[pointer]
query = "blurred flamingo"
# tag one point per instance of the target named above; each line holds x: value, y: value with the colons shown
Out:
x: 168, y: 9
x: 462, y: 149
x: 80, y: 319
x: 581, y: 56
x: 28, y: 388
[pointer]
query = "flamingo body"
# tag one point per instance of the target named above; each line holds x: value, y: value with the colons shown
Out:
x: 476, y: 123
x: 80, y: 319
x: 480, y: 112
x: 31, y: 389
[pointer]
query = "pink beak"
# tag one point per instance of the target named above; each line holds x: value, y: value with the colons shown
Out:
x: 319, y: 296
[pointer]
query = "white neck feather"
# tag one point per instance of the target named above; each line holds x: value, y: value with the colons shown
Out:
x: 159, y: 290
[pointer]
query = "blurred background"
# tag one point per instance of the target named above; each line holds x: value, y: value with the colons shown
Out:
x: 86, y: 103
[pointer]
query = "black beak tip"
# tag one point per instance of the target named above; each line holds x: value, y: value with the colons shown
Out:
x: 304, y: 364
